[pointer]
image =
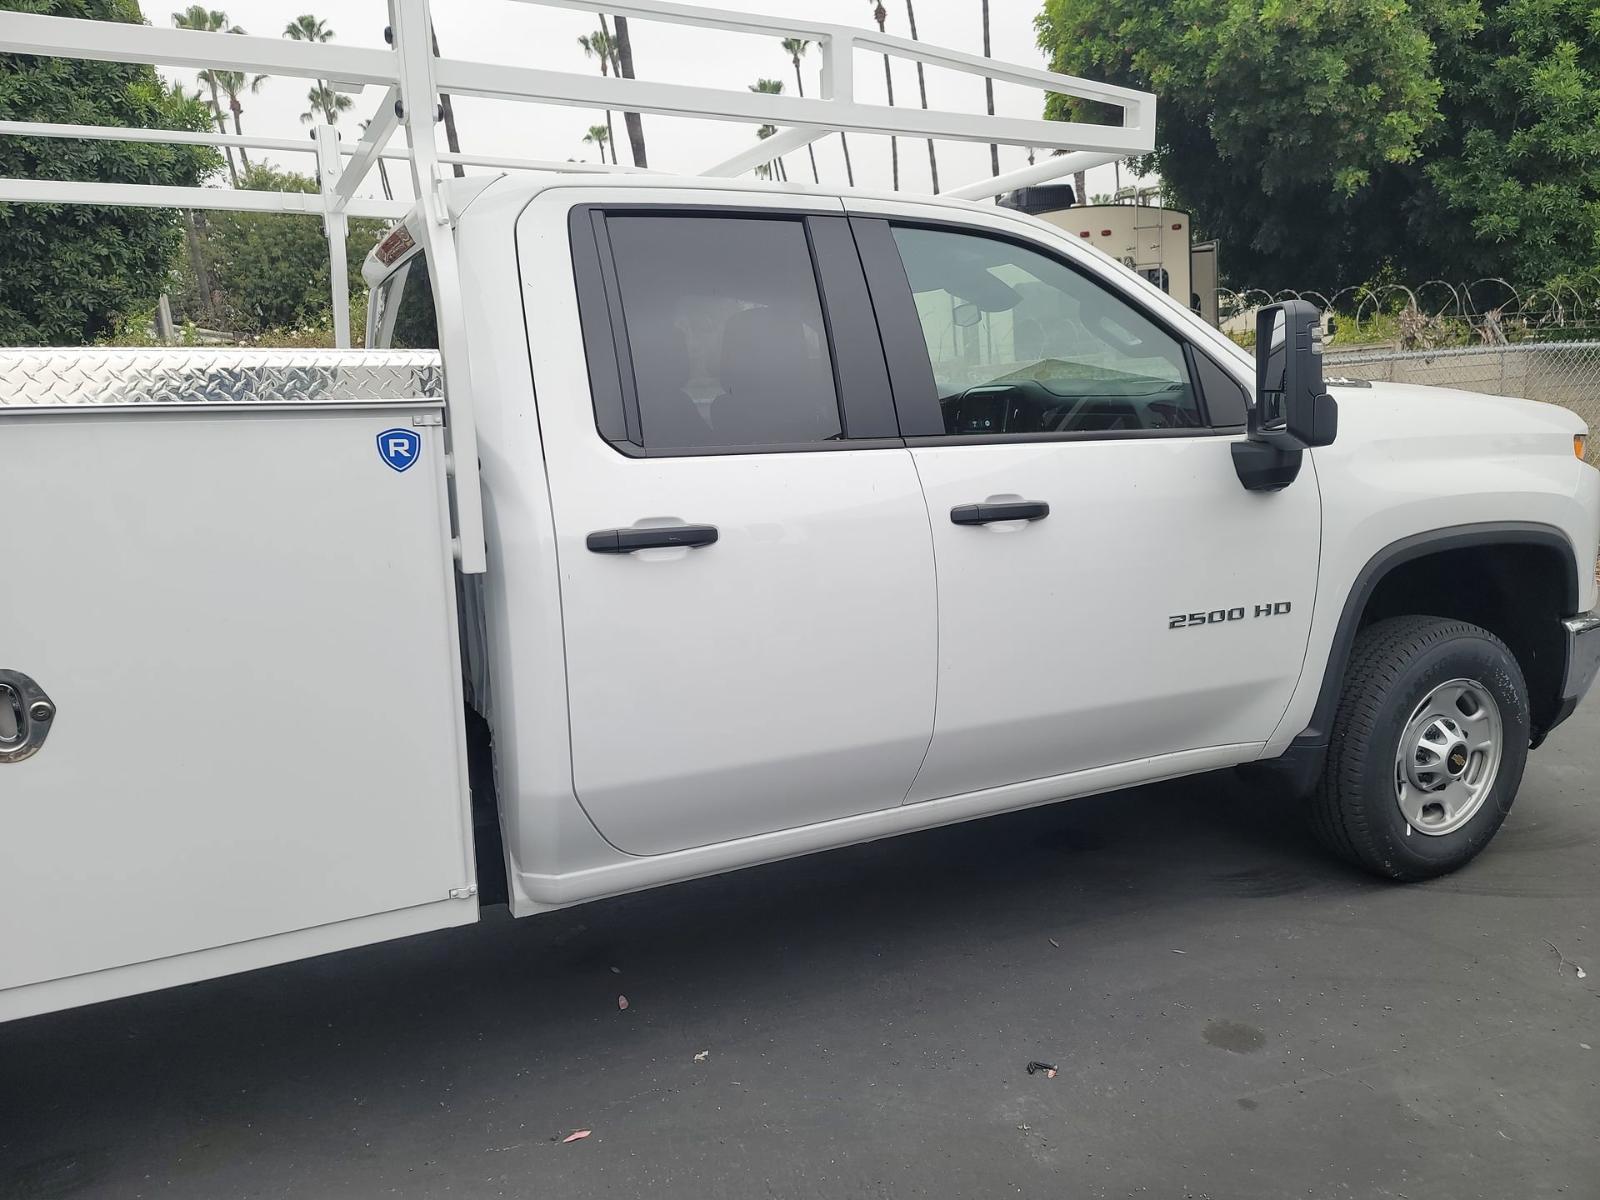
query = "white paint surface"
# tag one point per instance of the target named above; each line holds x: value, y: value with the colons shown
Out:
x: 247, y: 623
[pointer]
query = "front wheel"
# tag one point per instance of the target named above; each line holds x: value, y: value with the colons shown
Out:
x: 1429, y: 741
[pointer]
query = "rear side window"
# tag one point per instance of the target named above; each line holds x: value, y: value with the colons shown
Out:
x: 403, y: 316
x: 724, y: 332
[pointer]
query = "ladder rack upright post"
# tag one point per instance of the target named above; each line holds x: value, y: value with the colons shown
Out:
x: 336, y: 227
x: 411, y: 27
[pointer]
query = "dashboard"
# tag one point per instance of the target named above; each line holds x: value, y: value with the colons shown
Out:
x: 1032, y: 406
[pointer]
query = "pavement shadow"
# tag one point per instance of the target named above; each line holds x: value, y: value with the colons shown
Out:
x: 472, y: 1010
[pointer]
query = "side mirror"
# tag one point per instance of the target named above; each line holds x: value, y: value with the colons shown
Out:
x: 1291, y: 410
x: 1289, y: 392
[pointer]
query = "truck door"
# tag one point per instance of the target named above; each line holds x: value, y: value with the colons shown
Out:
x: 746, y: 566
x: 1108, y: 592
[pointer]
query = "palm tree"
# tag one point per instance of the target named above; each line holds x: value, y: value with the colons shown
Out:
x: 234, y: 84
x: 307, y: 28
x: 447, y: 109
x: 598, y: 45
x: 776, y: 165
x: 922, y: 88
x: 194, y: 222
x: 1080, y: 184
x: 623, y: 61
x: 191, y: 231
x: 988, y: 92
x: 769, y: 87
x: 598, y: 135
x: 880, y: 15
x: 325, y: 103
x: 795, y: 47
x: 197, y: 16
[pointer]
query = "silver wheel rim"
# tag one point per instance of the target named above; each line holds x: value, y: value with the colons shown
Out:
x: 1448, y: 757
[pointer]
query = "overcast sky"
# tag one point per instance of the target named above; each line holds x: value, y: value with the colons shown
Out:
x: 526, y: 34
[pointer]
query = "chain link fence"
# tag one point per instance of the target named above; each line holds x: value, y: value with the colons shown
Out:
x: 1564, y: 373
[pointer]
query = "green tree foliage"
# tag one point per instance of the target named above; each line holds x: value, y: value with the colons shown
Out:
x: 74, y: 273
x: 1320, y: 139
x: 270, y: 270
x: 1518, y: 170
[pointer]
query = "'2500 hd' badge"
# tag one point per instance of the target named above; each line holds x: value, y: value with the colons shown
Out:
x: 400, y: 448
x: 1221, y: 616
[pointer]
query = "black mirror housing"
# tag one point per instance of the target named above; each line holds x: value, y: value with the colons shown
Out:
x: 1292, y: 410
x: 1289, y: 394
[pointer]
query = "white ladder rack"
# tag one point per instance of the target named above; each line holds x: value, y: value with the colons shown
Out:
x: 800, y: 119
x: 412, y: 77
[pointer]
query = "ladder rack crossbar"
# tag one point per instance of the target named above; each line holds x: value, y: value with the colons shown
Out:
x: 412, y: 78
x: 835, y: 109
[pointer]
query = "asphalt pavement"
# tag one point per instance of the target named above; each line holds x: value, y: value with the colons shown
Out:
x: 1229, y: 1014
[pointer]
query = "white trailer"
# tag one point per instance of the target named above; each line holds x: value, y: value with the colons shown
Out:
x: 1144, y: 236
x: 734, y: 521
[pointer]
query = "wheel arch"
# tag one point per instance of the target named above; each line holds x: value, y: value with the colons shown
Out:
x: 1381, y: 584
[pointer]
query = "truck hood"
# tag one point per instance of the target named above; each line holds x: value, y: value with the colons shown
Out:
x: 1386, y: 410
x: 1412, y: 460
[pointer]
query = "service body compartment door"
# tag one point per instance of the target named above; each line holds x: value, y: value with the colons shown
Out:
x: 246, y: 621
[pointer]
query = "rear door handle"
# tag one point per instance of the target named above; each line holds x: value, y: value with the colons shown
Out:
x: 626, y: 541
x: 1013, y: 510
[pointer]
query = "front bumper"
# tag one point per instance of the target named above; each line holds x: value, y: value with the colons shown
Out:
x: 1583, y: 663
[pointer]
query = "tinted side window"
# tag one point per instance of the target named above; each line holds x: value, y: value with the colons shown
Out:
x: 403, y: 316
x: 725, y: 331
x: 1021, y: 343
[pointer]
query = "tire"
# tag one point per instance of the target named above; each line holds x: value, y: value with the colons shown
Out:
x: 1444, y: 687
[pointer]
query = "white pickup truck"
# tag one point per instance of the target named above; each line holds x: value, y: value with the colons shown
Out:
x: 811, y: 519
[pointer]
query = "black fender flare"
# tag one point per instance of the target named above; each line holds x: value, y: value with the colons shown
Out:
x: 1309, y: 745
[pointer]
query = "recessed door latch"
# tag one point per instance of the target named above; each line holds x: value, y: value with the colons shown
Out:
x: 26, y: 714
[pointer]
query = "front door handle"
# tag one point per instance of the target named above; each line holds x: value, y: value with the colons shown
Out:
x: 1012, y: 510
x: 626, y: 541
x: 25, y: 716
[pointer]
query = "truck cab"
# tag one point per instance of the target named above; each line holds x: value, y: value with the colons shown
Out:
x: 855, y: 514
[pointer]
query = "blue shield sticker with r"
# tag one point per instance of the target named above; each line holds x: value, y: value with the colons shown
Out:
x: 400, y: 448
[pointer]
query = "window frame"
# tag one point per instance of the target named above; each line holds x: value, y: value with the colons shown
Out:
x: 910, y: 365
x: 868, y: 417
x: 384, y: 297
x: 381, y: 314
